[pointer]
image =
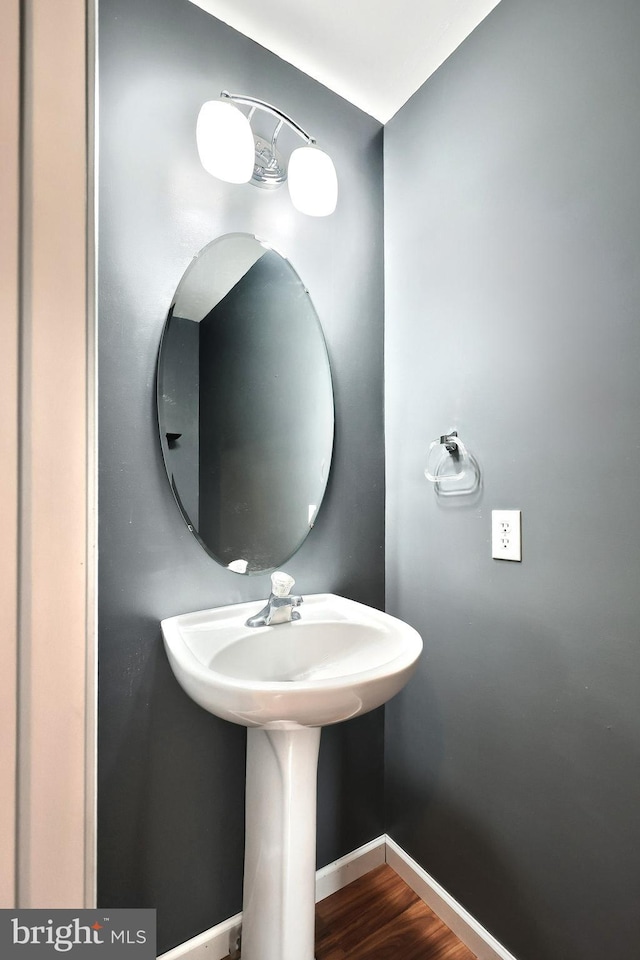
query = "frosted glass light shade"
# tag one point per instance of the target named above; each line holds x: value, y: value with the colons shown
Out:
x: 313, y: 183
x: 225, y: 141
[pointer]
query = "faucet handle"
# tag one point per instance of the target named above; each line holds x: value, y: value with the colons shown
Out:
x: 281, y: 583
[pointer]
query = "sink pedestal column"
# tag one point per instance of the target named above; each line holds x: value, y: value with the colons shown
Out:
x: 280, y: 843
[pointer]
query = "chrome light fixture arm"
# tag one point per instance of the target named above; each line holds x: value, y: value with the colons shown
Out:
x: 269, y: 170
x: 256, y: 104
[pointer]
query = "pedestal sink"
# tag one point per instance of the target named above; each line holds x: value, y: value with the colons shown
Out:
x: 284, y: 683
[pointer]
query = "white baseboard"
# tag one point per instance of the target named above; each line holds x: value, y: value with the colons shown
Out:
x: 213, y: 944
x: 338, y: 874
x: 466, y: 928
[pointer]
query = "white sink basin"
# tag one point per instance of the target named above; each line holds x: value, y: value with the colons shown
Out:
x: 340, y: 659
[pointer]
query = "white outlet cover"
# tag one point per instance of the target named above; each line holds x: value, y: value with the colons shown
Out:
x: 506, y: 534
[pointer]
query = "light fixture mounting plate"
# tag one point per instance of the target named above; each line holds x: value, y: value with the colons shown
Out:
x: 269, y: 171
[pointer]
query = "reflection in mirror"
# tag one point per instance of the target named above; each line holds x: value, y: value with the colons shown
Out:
x: 245, y: 404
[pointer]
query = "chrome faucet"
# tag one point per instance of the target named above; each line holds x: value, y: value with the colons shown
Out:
x: 280, y: 607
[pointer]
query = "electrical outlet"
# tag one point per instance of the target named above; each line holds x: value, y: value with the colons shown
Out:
x: 506, y: 542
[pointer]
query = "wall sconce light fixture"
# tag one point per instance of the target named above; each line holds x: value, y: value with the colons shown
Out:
x: 229, y: 150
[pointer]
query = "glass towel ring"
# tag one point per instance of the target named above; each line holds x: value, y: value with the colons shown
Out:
x: 448, y: 445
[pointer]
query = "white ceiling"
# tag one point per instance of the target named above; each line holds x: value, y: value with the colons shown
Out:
x: 374, y: 53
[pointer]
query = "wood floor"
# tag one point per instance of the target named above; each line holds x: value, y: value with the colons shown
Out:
x: 379, y: 917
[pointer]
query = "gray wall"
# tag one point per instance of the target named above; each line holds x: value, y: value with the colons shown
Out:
x: 512, y: 244
x: 171, y: 777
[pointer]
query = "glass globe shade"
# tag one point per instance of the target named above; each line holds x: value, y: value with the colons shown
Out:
x: 313, y: 183
x: 225, y: 141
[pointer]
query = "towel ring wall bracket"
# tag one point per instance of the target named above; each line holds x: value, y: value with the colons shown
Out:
x: 457, y: 451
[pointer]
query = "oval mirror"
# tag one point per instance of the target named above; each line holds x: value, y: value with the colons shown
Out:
x: 245, y: 404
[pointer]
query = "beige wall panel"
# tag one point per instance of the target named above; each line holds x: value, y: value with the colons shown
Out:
x: 9, y: 281
x: 53, y: 638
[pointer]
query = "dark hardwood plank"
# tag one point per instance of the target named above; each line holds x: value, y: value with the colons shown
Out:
x: 361, y: 908
x: 379, y: 917
x: 412, y: 936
